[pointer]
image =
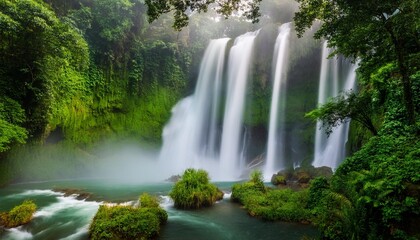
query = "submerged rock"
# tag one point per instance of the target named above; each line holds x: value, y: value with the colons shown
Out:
x: 79, y: 193
x: 18, y: 215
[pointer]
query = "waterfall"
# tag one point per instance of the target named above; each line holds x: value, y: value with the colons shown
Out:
x: 238, y: 72
x: 330, y: 151
x: 207, y: 130
x: 275, y: 144
x: 189, y: 139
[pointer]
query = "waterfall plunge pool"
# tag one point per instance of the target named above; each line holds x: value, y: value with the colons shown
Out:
x: 67, y: 217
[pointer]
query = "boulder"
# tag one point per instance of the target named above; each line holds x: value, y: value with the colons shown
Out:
x: 278, y: 180
x: 323, y: 172
x: 303, y: 177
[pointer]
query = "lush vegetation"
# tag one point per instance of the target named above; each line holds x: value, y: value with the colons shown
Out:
x: 92, y: 70
x: 95, y: 70
x: 272, y: 204
x: 375, y: 193
x: 126, y: 222
x: 194, y: 190
x: 19, y: 215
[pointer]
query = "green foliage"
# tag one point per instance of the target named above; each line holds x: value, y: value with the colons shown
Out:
x: 125, y: 222
x: 27, y: 67
x: 374, y: 33
x: 117, y: 22
x: 179, y: 8
x: 343, y: 108
x: 255, y: 186
x: 19, y: 215
x: 147, y: 200
x: 11, y: 118
x: 271, y: 204
x: 257, y: 179
x: 194, y: 190
x: 373, y: 194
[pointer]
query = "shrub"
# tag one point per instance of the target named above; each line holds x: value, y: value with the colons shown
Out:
x: 148, y: 201
x: 126, y: 222
x: 271, y: 204
x: 194, y: 190
x: 241, y: 192
x: 257, y: 180
x: 255, y: 186
x: 19, y: 215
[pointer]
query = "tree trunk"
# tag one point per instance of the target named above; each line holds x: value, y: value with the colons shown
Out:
x: 405, y: 77
x: 408, y: 94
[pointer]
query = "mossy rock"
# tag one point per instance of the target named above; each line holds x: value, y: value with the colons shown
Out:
x: 303, y: 177
x: 194, y: 190
x: 80, y: 193
x: 322, y: 172
x: 286, y: 173
x: 19, y: 215
x: 278, y: 180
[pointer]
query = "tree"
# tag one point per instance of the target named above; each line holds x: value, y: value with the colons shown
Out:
x: 182, y: 9
x: 41, y: 59
x: 343, y: 108
x: 375, y: 32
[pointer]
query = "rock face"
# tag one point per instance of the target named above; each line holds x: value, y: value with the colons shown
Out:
x: 173, y: 178
x: 301, y: 176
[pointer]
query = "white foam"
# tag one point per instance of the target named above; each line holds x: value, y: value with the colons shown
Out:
x: 227, y: 195
x: 18, y: 234
x: 129, y: 203
x: 36, y: 192
x: 65, y: 203
x: 166, y: 202
x: 78, y: 234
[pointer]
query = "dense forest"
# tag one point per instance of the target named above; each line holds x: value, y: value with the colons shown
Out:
x: 75, y: 73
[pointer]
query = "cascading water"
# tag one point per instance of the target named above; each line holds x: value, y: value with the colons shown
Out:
x: 192, y: 137
x: 276, y: 136
x: 238, y: 72
x: 189, y: 137
x: 330, y: 151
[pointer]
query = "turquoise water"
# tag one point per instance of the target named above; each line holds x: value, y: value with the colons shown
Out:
x: 66, y: 217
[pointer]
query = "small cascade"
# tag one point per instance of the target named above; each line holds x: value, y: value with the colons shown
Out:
x: 238, y: 72
x: 189, y: 137
x: 330, y: 151
x: 275, y: 146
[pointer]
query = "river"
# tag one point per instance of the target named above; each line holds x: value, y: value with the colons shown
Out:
x: 67, y: 217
